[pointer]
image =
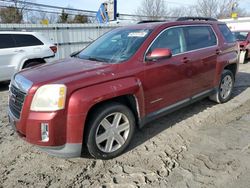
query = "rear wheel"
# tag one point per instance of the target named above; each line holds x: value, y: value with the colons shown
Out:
x: 224, y: 92
x: 110, y: 130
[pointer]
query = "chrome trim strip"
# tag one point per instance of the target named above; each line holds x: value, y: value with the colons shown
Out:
x: 172, y: 106
x: 168, y: 109
x: 157, y: 100
x: 12, y: 116
x: 202, y: 93
x: 137, y: 107
x: 21, y: 83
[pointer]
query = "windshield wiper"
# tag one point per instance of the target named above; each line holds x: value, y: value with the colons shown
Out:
x: 75, y: 54
x: 96, y: 59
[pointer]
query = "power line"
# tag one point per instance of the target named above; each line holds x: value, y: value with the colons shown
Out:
x: 86, y: 12
x: 44, y: 11
x: 48, y: 6
x: 177, y: 3
x: 39, y: 8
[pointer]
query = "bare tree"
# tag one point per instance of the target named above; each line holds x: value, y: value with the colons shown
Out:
x: 177, y: 12
x: 14, y: 11
x: 217, y: 8
x: 21, y: 5
x: 80, y: 18
x: 152, y: 9
x: 10, y: 15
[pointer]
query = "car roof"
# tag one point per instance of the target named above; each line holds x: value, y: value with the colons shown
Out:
x: 153, y: 25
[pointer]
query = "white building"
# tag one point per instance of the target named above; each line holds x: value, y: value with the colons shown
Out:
x: 239, y: 24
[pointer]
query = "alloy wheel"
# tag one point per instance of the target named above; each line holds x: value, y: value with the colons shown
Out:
x: 112, y: 132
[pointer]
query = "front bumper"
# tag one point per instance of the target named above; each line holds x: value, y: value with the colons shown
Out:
x: 65, y: 151
x: 57, y: 144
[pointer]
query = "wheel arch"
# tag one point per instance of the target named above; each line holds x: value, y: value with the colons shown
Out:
x: 232, y: 67
x: 83, y: 102
x: 128, y: 100
x: 27, y: 61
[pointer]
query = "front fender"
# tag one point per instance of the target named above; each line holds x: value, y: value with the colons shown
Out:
x: 82, y: 100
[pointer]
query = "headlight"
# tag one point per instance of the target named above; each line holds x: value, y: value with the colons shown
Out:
x: 49, y: 98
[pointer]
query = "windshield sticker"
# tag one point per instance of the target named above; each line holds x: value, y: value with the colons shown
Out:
x: 138, y: 34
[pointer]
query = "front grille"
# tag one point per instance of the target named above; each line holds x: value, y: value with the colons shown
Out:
x: 16, y: 101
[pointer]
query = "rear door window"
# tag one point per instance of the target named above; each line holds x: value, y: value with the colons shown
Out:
x: 227, y: 34
x: 198, y: 37
x: 23, y: 40
x: 6, y: 41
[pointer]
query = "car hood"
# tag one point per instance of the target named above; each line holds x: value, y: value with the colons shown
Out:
x: 67, y: 71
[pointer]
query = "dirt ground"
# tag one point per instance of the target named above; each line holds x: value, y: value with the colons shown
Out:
x: 202, y: 145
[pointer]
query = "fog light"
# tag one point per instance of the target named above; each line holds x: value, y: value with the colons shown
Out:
x: 45, y: 132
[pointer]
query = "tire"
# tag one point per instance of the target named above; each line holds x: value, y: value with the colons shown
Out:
x: 32, y: 64
x: 103, y: 139
x: 225, y: 89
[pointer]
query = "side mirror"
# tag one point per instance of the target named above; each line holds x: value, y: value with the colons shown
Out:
x: 74, y: 53
x: 159, y: 53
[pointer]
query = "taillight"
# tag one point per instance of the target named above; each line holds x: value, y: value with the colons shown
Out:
x: 53, y: 48
x: 243, y: 44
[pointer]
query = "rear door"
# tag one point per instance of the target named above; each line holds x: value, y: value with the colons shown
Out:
x: 7, y: 53
x: 28, y: 45
x: 202, y: 48
x: 167, y: 81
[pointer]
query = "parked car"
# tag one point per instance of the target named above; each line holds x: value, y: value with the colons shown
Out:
x: 244, y: 41
x: 19, y: 50
x: 123, y: 80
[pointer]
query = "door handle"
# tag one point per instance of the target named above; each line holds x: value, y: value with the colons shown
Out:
x: 218, y: 51
x: 19, y: 51
x: 185, y: 60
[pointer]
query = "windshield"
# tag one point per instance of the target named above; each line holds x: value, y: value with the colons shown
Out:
x: 240, y: 35
x: 115, y: 46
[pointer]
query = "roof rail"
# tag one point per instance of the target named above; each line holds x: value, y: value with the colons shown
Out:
x: 150, y: 21
x: 196, y: 18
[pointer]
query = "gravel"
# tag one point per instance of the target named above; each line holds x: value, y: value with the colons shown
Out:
x: 202, y: 145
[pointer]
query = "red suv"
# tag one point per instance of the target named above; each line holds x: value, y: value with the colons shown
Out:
x: 244, y: 40
x: 123, y: 80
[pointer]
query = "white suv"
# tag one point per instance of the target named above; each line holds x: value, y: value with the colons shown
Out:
x: 19, y: 50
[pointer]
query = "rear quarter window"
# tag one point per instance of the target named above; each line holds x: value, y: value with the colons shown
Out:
x: 199, y: 37
x: 6, y: 41
x: 227, y: 34
x: 23, y: 40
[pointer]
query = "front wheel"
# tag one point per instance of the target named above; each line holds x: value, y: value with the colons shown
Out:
x: 225, y: 90
x: 110, y: 130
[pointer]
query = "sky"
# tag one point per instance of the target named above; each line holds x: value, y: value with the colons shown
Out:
x: 124, y: 6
